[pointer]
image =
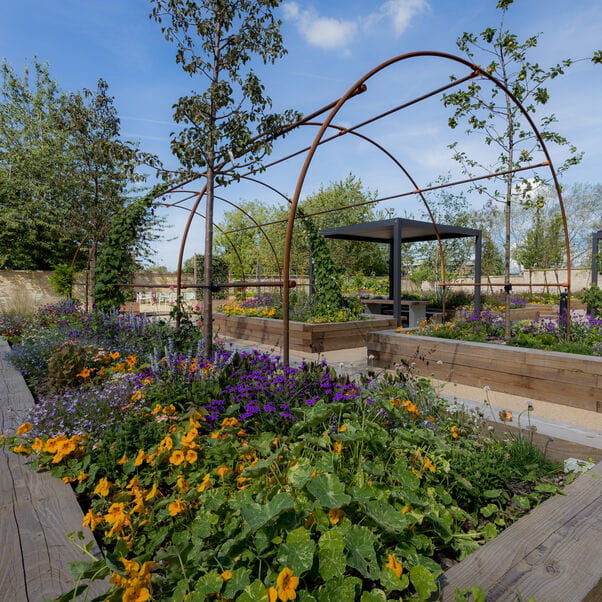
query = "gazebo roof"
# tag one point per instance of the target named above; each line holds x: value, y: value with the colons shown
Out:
x: 383, y: 231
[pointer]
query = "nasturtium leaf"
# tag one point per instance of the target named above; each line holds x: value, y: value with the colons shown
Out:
x: 376, y: 595
x: 385, y: 515
x: 258, y: 515
x: 341, y: 590
x: 331, y: 555
x: 297, y: 556
x: 424, y: 582
x: 210, y: 583
x: 305, y: 597
x: 359, y: 542
x: 522, y: 502
x: 409, y: 481
x: 325, y: 463
x: 300, y: 473
x: 492, y: 493
x: 489, y: 531
x: 547, y: 488
x: 489, y: 510
x: 391, y: 582
x: 200, y: 527
x: 362, y: 494
x: 374, y: 468
x: 255, y: 592
x: 240, y: 579
x: 328, y: 490
x: 352, y: 432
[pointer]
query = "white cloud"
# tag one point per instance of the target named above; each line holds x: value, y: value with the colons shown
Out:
x: 401, y: 12
x: 324, y: 32
x: 330, y: 33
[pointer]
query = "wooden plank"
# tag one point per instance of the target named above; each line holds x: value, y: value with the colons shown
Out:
x: 37, y: 512
x: 552, y: 554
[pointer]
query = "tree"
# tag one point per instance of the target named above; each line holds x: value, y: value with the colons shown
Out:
x: 543, y: 245
x: 64, y: 172
x: 218, y: 40
x: 488, y: 110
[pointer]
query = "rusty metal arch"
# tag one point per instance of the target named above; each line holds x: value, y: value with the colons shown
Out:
x: 476, y: 71
x: 242, y: 268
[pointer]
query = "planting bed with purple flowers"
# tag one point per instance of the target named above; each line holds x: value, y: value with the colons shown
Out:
x: 238, y: 478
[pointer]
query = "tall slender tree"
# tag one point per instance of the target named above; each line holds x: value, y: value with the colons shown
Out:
x: 487, y: 109
x: 219, y: 41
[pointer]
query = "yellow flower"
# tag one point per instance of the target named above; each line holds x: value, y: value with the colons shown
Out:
x: 152, y: 493
x: 222, y: 471
x: 177, y: 507
x: 286, y: 584
x: 24, y: 428
x: 140, y: 457
x: 137, y: 396
x: 85, y: 373
x: 428, y: 464
x: 91, y: 520
x: 406, y: 509
x: 342, y: 428
x: 82, y: 476
x: 454, y: 432
x: 22, y: 449
x: 102, y: 488
x: 394, y: 565
x: 226, y: 575
x: 37, y: 445
x: 205, y: 483
x: 272, y: 594
x: 335, y: 515
x: 67, y: 480
x: 338, y: 448
x: 191, y: 456
x: 177, y: 457
x: 114, y: 355
x: 123, y: 460
x: 158, y: 408
x: 182, y: 484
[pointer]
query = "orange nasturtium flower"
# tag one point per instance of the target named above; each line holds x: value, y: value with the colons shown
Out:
x: 24, y: 428
x: 335, y: 515
x: 272, y: 594
x: 338, y: 448
x: 22, y: 449
x: 91, y: 520
x: 226, y: 575
x: 394, y: 565
x: 103, y: 487
x: 191, y: 456
x: 177, y: 507
x: 222, y: 471
x: 205, y: 483
x: 177, y: 457
x: 85, y: 373
x: 114, y: 355
x: 454, y: 432
x: 140, y: 457
x: 428, y: 464
x: 286, y: 584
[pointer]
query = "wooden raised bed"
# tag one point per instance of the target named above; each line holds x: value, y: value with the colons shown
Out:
x: 310, y: 338
x: 552, y: 554
x: 564, y: 378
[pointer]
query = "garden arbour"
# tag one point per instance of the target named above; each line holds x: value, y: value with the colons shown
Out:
x: 230, y: 169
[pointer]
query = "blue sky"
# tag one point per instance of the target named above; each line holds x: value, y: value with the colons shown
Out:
x: 331, y: 44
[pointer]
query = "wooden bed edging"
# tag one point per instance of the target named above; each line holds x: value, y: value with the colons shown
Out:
x: 37, y: 511
x: 310, y: 338
x: 552, y: 553
x: 563, y: 378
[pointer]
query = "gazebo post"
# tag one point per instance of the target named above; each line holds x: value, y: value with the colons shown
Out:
x: 478, y: 250
x: 596, y: 237
x: 397, y: 271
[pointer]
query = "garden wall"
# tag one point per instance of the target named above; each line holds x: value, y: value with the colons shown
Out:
x: 310, y: 338
x: 563, y: 378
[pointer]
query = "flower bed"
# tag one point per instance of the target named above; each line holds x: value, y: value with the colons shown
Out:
x: 563, y: 378
x: 304, y: 336
x: 243, y: 479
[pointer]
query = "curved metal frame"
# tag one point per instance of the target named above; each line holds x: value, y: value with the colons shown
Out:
x: 476, y: 70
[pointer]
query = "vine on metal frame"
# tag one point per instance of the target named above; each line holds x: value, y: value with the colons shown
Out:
x: 328, y: 297
x: 115, y: 264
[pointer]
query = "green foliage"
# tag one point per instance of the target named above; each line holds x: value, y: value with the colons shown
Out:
x: 63, y: 168
x: 115, y: 263
x: 62, y: 279
x: 220, y: 271
x: 543, y: 245
x: 592, y: 296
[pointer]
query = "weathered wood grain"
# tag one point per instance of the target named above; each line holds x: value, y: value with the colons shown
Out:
x: 553, y: 554
x: 37, y: 512
x: 561, y: 378
x: 309, y: 338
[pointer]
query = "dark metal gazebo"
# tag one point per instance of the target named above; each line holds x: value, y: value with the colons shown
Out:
x: 399, y: 230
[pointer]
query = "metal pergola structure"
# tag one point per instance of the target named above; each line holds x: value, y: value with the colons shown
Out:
x: 596, y: 238
x: 396, y: 231
x: 328, y: 131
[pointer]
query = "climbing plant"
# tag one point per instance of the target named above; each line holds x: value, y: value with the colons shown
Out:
x: 115, y: 263
x: 328, y: 300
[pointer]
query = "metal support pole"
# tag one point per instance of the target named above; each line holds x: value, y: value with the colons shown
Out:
x: 478, y: 250
x: 391, y: 261
x: 312, y: 280
x: 397, y: 271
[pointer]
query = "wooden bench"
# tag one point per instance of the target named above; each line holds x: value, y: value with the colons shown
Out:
x: 416, y: 309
